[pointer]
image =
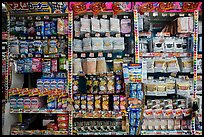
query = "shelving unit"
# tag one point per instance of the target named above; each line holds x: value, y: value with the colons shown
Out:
x: 96, y: 85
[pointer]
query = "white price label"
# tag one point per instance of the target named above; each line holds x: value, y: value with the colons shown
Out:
x: 161, y: 93
x: 150, y: 93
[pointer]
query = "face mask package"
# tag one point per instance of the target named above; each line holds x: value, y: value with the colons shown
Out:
x: 186, y: 64
x: 20, y: 66
x: 14, y: 47
x: 53, y: 27
x: 107, y: 44
x: 172, y: 65
x: 104, y: 25
x: 114, y: 25
x: 150, y: 64
x: 169, y: 44
x: 91, y: 66
x: 158, y: 44
x: 118, y: 43
x: 85, y: 25
x: 46, y: 66
x: 84, y: 65
x: 53, y: 47
x: 178, y: 45
x: 143, y: 45
x: 47, y: 29
x: 45, y: 47
x: 199, y: 66
x: 31, y: 48
x: 38, y: 46
x: 77, y: 45
x: 86, y: 44
x: 23, y: 47
x: 159, y: 65
x: 140, y: 22
x: 77, y: 28
x: 39, y: 28
x: 125, y: 26
x: 97, y: 44
x: 95, y: 25
x: 27, y: 65
x: 77, y: 67
x: 101, y: 65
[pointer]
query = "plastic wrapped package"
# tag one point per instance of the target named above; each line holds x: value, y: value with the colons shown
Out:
x: 107, y: 44
x: 14, y: 47
x: 126, y: 26
x: 158, y: 44
x: 115, y: 25
x: 95, y: 25
x: 97, y: 44
x: 91, y: 66
x: 84, y: 65
x: 178, y: 42
x: 104, y: 25
x: 186, y: 64
x: 101, y: 65
x: 172, y: 65
x: 86, y: 44
x: 117, y: 65
x: 77, y: 26
x: 159, y: 65
x: 77, y: 45
x: 169, y: 44
x: 150, y: 64
x: 77, y: 67
x: 143, y: 45
x: 60, y: 26
x: 85, y: 25
x: 118, y: 44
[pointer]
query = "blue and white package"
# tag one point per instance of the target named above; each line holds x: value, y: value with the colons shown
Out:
x: 53, y: 84
x: 27, y: 65
x: 46, y: 66
x: 46, y: 83
x: 20, y: 103
x: 23, y: 45
x: 53, y: 27
x: 139, y: 91
x: 13, y: 102
x: 31, y: 48
x: 133, y: 88
x: 20, y: 66
x: 138, y: 113
x: 38, y: 46
x: 40, y: 84
x: 14, y: 47
x: 39, y: 27
x: 47, y: 29
x: 133, y: 130
x: 61, y: 84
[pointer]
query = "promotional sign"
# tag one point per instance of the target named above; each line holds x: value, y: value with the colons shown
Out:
x: 168, y: 6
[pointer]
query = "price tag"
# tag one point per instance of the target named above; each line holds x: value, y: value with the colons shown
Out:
x: 87, y: 35
x: 53, y: 37
x: 150, y: 93
x: 83, y: 55
x: 91, y: 55
x: 164, y: 14
x: 77, y: 34
x: 118, y: 56
x: 100, y: 54
x: 172, y: 14
x: 109, y: 55
x: 155, y: 14
x: 37, y: 37
x: 104, y: 16
x: 117, y: 35
x: 127, y: 35
x: 146, y: 13
x: 171, y: 92
x: 161, y: 93
x: 76, y: 17
x: 181, y: 15
x: 125, y: 17
x: 107, y: 34
x: 86, y: 16
x: 97, y: 34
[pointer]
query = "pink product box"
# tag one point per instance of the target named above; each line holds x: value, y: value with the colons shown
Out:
x: 36, y: 102
x: 27, y: 102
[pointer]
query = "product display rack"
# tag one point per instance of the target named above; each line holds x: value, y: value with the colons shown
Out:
x: 86, y: 121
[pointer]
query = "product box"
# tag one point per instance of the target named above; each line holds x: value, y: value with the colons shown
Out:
x: 13, y: 102
x: 90, y: 102
x: 122, y: 103
x: 46, y: 83
x: 53, y: 84
x: 83, y: 101
x: 185, y: 25
x: 116, y: 102
x: 105, y: 102
x: 77, y: 102
x: 36, y: 102
x: 52, y: 102
x: 27, y: 103
x: 20, y: 103
x: 97, y: 102
x: 61, y: 84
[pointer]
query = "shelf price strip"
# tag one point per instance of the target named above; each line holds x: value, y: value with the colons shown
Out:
x: 195, y: 41
x: 70, y: 54
x: 136, y: 31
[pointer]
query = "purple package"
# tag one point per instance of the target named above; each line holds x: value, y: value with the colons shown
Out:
x: 126, y: 26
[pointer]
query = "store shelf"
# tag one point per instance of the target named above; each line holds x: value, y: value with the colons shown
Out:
x: 154, y: 54
x: 46, y: 111
x: 102, y: 133
x: 38, y: 132
x: 99, y: 114
x: 166, y: 132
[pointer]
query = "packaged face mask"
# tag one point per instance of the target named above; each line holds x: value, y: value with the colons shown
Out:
x: 47, y: 29
x: 104, y: 25
x: 77, y: 67
x: 85, y: 25
x: 60, y: 26
x: 95, y: 25
x: 169, y: 44
x: 159, y: 65
x: 38, y: 46
x: 53, y: 27
x: 172, y: 65
x: 107, y: 44
x: 186, y: 64
x: 91, y: 66
x: 101, y: 65
x: 77, y: 45
x: 126, y: 26
x: 97, y: 44
x: 114, y: 25
x: 14, y: 47
x: 118, y: 43
x: 143, y: 45
x: 53, y: 47
x: 39, y: 27
x: 158, y: 44
x: 77, y: 26
x: 23, y: 47
x: 86, y: 44
x: 178, y: 45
